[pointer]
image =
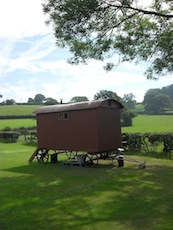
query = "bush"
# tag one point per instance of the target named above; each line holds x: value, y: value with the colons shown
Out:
x: 9, y: 136
x: 143, y: 141
x: 17, y: 117
x: 7, y: 129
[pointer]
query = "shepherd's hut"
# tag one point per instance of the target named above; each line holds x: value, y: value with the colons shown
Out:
x: 92, y: 126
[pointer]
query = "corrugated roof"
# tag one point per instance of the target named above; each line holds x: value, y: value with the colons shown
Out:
x: 76, y: 106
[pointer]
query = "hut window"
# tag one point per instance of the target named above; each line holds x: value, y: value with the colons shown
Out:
x: 63, y: 116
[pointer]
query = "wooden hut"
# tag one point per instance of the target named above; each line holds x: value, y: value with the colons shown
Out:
x: 92, y: 126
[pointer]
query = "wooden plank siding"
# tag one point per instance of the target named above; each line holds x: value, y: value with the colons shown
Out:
x: 77, y: 127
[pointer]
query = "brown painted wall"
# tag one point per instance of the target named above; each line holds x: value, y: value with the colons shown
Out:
x: 93, y: 130
x: 109, y: 129
x: 77, y: 133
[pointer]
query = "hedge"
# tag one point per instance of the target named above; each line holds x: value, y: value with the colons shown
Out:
x: 17, y: 117
x: 143, y: 141
x: 9, y: 136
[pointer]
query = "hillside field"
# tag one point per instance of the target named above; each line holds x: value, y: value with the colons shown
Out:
x: 151, y: 123
x: 17, y: 123
x: 17, y: 110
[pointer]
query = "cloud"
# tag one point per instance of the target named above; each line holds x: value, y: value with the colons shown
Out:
x: 13, y: 58
x: 21, y: 18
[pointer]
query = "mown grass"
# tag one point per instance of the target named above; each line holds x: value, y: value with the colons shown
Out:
x: 151, y: 123
x: 53, y: 196
x: 16, y: 123
x: 18, y: 110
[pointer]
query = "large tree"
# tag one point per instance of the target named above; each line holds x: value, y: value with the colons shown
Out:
x: 168, y: 90
x: 134, y: 29
x: 50, y: 101
x: 79, y: 99
x: 39, y: 98
x: 129, y: 100
x: 155, y: 101
x: 103, y: 94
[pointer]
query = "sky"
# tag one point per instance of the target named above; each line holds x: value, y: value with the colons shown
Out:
x: 30, y: 62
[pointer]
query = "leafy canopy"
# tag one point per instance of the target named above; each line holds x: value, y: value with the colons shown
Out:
x: 79, y: 99
x: 155, y: 101
x: 135, y: 30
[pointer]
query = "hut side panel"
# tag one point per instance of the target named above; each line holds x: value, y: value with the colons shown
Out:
x: 90, y: 126
x: 78, y: 132
x: 109, y: 128
x: 45, y: 131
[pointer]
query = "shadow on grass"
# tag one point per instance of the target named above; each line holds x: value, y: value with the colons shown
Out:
x: 52, y: 196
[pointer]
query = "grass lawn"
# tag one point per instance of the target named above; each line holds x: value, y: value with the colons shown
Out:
x: 18, y: 109
x: 53, y: 196
x: 151, y: 123
x: 16, y: 123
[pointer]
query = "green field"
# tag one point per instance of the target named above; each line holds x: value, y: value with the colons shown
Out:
x: 17, y: 123
x: 151, y: 123
x: 18, y: 110
x: 53, y: 196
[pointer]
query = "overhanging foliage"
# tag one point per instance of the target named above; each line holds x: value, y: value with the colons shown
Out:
x: 99, y: 29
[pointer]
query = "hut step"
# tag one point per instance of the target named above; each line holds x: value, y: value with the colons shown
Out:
x: 33, y: 156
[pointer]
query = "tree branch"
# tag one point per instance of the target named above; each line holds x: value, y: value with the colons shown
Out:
x: 151, y: 12
x: 148, y: 12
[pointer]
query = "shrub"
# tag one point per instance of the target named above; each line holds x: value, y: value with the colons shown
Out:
x: 143, y: 141
x: 9, y: 136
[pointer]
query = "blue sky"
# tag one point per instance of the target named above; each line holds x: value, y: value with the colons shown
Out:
x: 30, y: 63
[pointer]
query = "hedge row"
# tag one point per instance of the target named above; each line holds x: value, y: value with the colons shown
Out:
x: 9, y: 136
x: 18, y: 117
x: 133, y: 142
x: 147, y: 141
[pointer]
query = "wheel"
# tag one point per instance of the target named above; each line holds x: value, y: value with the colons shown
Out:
x: 71, y: 154
x: 92, y: 159
x: 42, y: 155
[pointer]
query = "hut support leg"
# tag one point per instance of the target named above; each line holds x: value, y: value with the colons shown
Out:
x: 33, y: 155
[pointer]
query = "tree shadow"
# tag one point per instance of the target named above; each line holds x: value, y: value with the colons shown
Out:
x: 52, y: 196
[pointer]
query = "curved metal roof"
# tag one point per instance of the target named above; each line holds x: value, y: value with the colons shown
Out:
x: 79, y: 106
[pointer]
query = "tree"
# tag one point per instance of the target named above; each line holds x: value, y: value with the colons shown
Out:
x: 129, y: 100
x: 50, y: 101
x: 30, y: 100
x: 126, y: 117
x: 101, y: 28
x: 103, y: 94
x: 155, y: 101
x: 10, y: 102
x: 79, y: 99
x: 168, y: 90
x: 39, y: 98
